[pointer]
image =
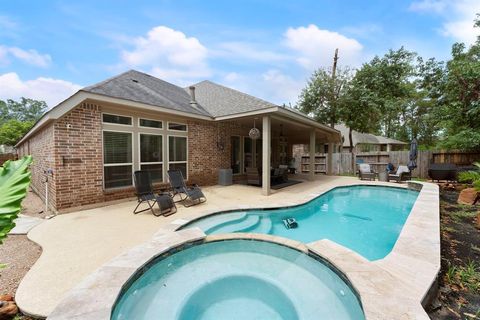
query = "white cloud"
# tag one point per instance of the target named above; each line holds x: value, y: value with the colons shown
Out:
x: 170, y: 54
x: 428, y: 5
x: 30, y: 56
x: 316, y: 47
x: 271, y: 85
x: 458, y: 16
x: 249, y: 51
x: 52, y: 91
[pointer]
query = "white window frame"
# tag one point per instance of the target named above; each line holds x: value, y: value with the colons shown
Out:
x: 117, y: 124
x: 168, y: 151
x: 116, y: 164
x: 147, y: 163
x: 175, y: 122
x: 150, y: 128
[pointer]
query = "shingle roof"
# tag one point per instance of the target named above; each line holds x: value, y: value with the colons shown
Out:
x: 367, y: 138
x: 221, y: 101
x: 140, y: 87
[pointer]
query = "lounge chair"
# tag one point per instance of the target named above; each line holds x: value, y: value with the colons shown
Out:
x: 402, y: 174
x: 366, y: 172
x: 144, y: 193
x: 192, y: 195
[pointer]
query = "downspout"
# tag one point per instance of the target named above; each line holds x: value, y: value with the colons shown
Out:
x: 48, y: 172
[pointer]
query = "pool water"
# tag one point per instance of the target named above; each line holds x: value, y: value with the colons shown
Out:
x: 238, y: 279
x: 366, y: 219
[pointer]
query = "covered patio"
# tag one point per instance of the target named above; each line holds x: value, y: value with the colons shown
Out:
x: 278, y: 130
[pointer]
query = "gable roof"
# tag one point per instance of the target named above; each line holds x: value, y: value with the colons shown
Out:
x: 220, y: 101
x: 365, y: 138
x: 141, y: 87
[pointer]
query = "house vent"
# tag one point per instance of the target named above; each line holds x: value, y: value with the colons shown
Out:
x: 135, y: 80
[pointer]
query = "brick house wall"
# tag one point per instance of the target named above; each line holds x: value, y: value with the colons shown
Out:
x: 72, y: 147
x: 41, y: 147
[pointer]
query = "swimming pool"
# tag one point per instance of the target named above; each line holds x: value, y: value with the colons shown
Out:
x: 366, y: 219
x: 238, y: 279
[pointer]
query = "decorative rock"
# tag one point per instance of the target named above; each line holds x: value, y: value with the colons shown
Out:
x: 6, y: 297
x: 8, y: 311
x: 468, y: 196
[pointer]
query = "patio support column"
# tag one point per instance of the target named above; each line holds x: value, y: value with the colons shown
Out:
x: 311, y: 173
x: 330, y: 158
x: 266, y: 137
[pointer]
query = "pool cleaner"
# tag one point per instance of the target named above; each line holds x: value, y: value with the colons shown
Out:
x: 290, y: 223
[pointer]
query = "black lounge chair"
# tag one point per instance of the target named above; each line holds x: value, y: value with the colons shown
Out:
x: 144, y: 193
x: 189, y: 196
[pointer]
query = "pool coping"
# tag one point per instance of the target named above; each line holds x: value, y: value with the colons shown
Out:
x: 393, y: 287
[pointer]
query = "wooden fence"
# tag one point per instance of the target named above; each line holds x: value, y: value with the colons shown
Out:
x: 342, y: 162
x: 7, y: 156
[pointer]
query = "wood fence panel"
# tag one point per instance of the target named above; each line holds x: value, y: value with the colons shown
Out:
x: 7, y: 156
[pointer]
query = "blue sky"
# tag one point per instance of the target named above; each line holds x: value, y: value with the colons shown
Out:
x: 50, y: 49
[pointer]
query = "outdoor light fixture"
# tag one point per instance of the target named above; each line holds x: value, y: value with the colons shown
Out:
x: 254, y: 133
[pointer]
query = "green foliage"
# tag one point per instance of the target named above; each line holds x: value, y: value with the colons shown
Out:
x: 23, y: 110
x: 17, y: 117
x: 466, y: 277
x: 13, y: 130
x: 323, y: 95
x: 14, y: 181
x: 472, y: 177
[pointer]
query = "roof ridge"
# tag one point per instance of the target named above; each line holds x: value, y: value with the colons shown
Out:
x: 231, y: 89
x: 106, y: 80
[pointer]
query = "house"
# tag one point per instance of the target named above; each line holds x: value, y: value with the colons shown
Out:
x: 89, y: 145
x: 365, y: 142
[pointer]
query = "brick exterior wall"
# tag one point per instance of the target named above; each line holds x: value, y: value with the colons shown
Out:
x: 72, y: 147
x: 210, y: 149
x: 41, y: 147
x: 78, y: 156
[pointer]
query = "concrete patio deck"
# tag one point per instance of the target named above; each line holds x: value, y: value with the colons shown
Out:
x: 77, y: 244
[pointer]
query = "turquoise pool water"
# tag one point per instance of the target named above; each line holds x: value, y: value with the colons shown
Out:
x: 238, y: 280
x: 366, y: 219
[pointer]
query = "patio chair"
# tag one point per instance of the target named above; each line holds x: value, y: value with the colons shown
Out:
x: 145, y: 194
x: 193, y: 194
x: 366, y: 172
x: 402, y: 174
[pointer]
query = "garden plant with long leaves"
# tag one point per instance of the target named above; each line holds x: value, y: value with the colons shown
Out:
x: 15, y: 178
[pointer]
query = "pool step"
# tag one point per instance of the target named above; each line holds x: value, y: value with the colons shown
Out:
x: 265, y: 226
x: 228, y: 227
x: 213, y: 222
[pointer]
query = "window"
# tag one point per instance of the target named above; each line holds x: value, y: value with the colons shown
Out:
x: 116, y: 119
x: 177, y: 126
x: 247, y: 153
x: 147, y: 123
x: 177, y: 154
x: 117, y: 159
x: 151, y: 156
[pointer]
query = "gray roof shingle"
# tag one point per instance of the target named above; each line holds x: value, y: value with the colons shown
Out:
x: 366, y: 138
x: 222, y: 101
x: 140, y: 87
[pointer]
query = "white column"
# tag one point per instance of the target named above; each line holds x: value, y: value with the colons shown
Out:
x: 266, y: 136
x: 330, y: 158
x: 311, y: 173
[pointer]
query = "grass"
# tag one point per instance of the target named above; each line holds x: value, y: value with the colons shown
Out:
x: 462, y: 215
x: 466, y: 277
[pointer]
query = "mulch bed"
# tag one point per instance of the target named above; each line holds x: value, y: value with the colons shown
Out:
x: 460, y: 241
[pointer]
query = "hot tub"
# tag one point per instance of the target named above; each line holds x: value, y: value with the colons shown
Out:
x: 238, y: 279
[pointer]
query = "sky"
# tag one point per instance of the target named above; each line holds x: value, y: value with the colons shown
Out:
x: 267, y: 48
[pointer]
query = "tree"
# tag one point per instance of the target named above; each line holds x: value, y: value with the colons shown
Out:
x: 13, y: 130
x: 17, y: 117
x: 323, y: 95
x: 23, y: 110
x: 461, y: 105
